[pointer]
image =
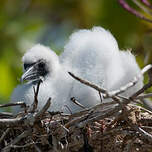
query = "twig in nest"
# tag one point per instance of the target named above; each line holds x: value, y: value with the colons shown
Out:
x: 37, y: 148
x: 132, y: 83
x: 92, y: 115
x: 22, y: 104
x: 145, y: 135
x: 4, y: 134
x: 115, y: 131
x: 148, y: 95
x: 129, y: 117
x: 28, y: 120
x: 12, y: 122
x: 115, y: 98
x: 101, y: 115
x: 52, y: 113
x: 127, y: 7
x: 142, y: 108
x: 76, y: 121
x: 116, y: 92
x: 117, y: 118
x: 44, y: 109
x: 146, y: 127
x: 101, y: 96
x: 124, y: 88
x: 16, y: 140
x: 6, y: 115
x: 86, y: 82
x: 100, y: 106
x: 13, y: 104
x: 146, y: 86
x: 24, y: 146
x: 92, y: 85
x: 77, y: 103
x: 35, y: 103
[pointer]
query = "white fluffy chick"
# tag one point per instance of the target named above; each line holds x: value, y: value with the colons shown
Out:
x: 96, y: 55
x: 42, y: 63
x: 91, y: 54
x: 38, y: 63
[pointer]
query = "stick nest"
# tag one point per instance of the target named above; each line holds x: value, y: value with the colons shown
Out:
x: 119, y: 125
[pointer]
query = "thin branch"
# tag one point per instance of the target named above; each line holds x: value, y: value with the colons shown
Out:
x: 77, y: 103
x: 145, y: 135
x: 86, y: 82
x: 116, y: 131
x: 6, y: 115
x: 115, y: 92
x: 124, y: 4
x: 97, y: 107
x: 146, y: 3
x: 24, y: 146
x: 37, y: 148
x: 76, y: 121
x: 27, y: 120
x: 93, y: 115
x: 16, y: 140
x: 101, y: 115
x: 132, y: 83
x: 142, y: 108
x: 13, y: 104
x: 142, y: 7
x: 4, y: 134
x: 101, y: 96
x: 44, y: 109
x: 146, y: 86
x: 35, y: 103
x: 12, y: 122
x: 146, y: 127
x: 148, y: 95
x: 22, y: 104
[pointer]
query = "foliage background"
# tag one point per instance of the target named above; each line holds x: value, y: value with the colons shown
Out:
x: 50, y: 22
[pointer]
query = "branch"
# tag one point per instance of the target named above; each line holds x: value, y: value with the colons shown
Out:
x: 93, y: 114
x: 22, y: 104
x: 144, y: 135
x: 148, y: 69
x: 35, y: 103
x: 16, y: 140
x: 4, y: 134
x: 44, y: 109
x: 148, y: 95
x: 124, y: 4
x: 115, y: 92
x: 13, y: 104
x: 77, y: 103
x: 86, y: 82
x: 146, y: 3
x: 28, y: 120
x: 97, y: 107
x: 132, y: 83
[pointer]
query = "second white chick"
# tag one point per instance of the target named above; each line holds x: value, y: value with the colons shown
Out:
x: 96, y: 56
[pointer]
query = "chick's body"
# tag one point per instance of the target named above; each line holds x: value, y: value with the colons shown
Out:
x: 90, y: 54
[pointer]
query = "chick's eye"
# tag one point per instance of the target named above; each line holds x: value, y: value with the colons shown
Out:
x: 27, y: 65
x: 41, y: 65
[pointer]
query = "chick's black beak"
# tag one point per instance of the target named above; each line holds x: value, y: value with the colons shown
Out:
x: 35, y: 72
x: 31, y: 74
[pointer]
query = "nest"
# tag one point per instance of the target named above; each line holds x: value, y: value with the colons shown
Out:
x: 115, y: 126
